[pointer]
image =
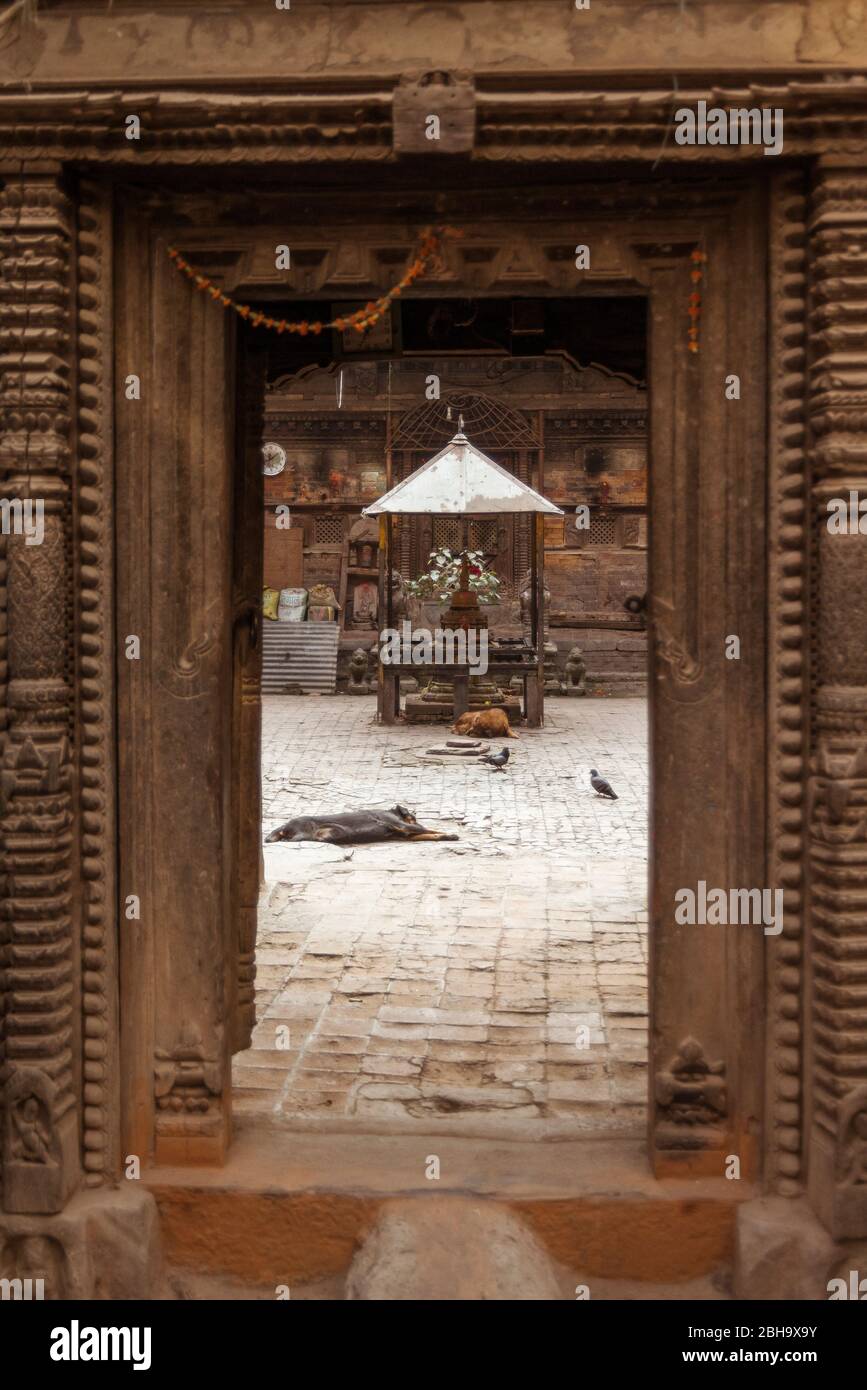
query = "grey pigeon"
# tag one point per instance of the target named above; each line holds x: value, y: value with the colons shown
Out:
x: 601, y: 787
x: 497, y: 760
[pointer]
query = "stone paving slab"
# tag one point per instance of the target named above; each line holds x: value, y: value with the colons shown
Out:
x: 502, y: 976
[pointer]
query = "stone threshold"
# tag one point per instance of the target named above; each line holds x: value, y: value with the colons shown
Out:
x: 294, y: 1208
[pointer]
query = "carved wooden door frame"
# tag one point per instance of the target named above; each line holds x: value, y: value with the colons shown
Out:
x: 708, y: 558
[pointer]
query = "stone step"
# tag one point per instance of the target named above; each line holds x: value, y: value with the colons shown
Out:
x: 300, y: 1209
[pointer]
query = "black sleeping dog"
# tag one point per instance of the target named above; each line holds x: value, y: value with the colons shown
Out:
x: 357, y: 828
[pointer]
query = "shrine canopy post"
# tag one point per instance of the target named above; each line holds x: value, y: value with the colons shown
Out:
x: 461, y: 481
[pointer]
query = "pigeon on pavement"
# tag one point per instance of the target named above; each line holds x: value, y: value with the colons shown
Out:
x: 601, y: 787
x: 497, y: 760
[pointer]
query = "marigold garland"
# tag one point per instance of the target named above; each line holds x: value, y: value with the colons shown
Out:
x: 429, y: 250
x: 696, y: 275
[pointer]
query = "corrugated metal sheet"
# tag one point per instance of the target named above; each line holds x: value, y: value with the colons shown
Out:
x: 461, y: 481
x: 299, y: 653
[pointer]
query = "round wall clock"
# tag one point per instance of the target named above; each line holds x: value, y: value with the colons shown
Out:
x: 273, y: 459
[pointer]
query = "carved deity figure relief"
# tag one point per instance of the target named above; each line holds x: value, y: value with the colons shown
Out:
x: 691, y: 1090
x: 837, y: 780
x: 365, y: 599
x: 28, y: 767
x: 30, y: 1125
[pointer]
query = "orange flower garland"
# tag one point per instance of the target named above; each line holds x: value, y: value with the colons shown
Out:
x: 696, y: 274
x: 429, y: 250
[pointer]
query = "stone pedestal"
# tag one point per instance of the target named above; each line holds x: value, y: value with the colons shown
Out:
x: 436, y: 702
x: 103, y: 1245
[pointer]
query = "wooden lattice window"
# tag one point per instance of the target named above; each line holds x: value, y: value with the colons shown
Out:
x: 448, y: 533
x: 602, y: 531
x: 484, y: 535
x: 328, y: 528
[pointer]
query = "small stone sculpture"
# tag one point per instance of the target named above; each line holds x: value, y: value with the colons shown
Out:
x: 576, y: 673
x: 358, y: 682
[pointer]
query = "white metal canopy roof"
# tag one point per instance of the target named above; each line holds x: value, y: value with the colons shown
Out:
x: 461, y: 481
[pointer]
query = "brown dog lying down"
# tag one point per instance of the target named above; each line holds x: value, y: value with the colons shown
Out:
x: 488, y: 723
x: 357, y: 828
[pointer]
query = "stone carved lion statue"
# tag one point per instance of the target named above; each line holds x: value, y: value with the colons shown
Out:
x: 576, y: 673
x: 358, y: 681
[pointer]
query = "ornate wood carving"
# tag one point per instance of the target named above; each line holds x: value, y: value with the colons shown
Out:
x: 95, y: 525
x: 40, y: 1142
x: 198, y: 127
x: 787, y: 677
x: 684, y: 626
x: 692, y: 1101
x: 38, y: 794
x: 707, y: 563
x: 837, y: 405
x: 176, y: 447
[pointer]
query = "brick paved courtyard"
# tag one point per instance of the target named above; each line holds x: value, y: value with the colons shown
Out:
x: 449, y: 983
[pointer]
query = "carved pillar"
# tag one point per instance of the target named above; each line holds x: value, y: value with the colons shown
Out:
x: 94, y: 523
x: 40, y: 1138
x: 788, y: 678
x: 707, y: 586
x: 58, y: 1005
x: 837, y: 410
x: 180, y: 956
